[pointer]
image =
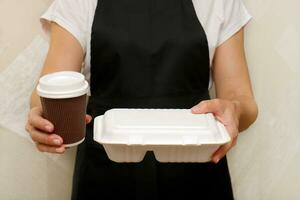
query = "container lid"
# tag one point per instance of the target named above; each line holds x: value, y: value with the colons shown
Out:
x: 158, y: 127
x: 64, y: 84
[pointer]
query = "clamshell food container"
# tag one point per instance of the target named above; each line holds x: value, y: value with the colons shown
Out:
x: 174, y: 135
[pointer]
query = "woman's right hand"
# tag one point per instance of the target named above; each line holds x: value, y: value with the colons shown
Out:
x: 40, y: 131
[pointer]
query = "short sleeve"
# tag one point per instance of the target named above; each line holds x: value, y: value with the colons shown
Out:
x: 72, y: 15
x: 234, y: 17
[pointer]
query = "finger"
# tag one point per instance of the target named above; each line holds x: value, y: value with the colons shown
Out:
x: 208, y: 106
x: 88, y: 119
x: 50, y: 149
x: 37, y: 121
x: 221, y: 152
x: 45, y: 138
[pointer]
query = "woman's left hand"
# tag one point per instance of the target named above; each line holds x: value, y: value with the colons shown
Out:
x: 228, y: 113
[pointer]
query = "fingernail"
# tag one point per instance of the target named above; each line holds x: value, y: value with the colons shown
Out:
x: 194, y: 109
x: 57, y: 141
x: 217, y: 160
x: 48, y: 127
x: 59, y: 150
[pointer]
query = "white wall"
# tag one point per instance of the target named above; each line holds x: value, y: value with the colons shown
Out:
x: 25, y: 173
x: 264, y: 165
x: 266, y: 162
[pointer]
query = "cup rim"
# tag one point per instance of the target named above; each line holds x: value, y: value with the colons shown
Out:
x: 46, y: 88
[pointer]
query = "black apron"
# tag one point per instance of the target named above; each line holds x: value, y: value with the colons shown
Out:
x: 146, y: 54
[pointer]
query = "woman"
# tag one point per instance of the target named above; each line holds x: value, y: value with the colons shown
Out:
x: 150, y: 54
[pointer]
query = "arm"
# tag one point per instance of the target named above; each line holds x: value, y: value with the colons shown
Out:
x: 65, y: 53
x: 235, y: 105
x: 231, y: 76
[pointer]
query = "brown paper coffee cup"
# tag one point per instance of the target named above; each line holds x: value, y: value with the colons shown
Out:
x: 63, y: 97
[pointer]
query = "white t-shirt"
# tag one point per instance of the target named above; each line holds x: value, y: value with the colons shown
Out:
x: 220, y: 19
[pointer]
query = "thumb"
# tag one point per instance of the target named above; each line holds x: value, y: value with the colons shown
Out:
x: 88, y: 119
x: 200, y: 108
x: 208, y: 106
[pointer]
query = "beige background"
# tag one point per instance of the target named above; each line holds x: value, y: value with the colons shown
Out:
x: 265, y: 164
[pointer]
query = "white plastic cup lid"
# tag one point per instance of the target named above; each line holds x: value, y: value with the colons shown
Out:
x: 64, y: 84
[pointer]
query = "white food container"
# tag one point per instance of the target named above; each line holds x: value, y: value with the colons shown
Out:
x: 174, y: 135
